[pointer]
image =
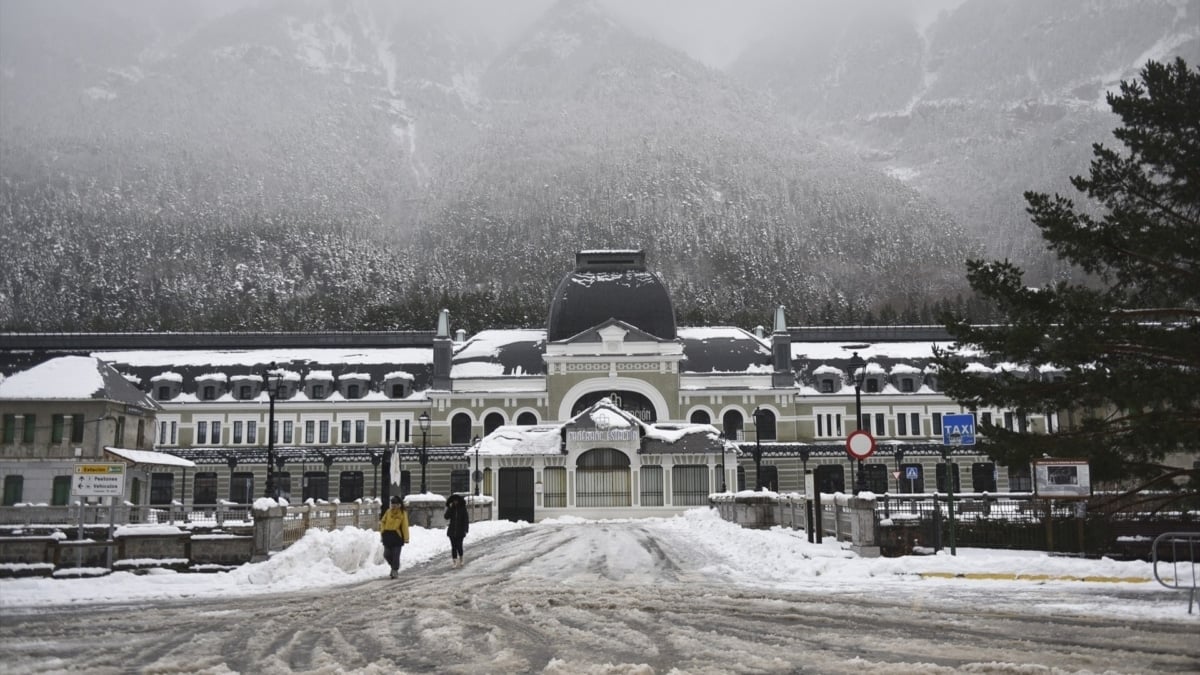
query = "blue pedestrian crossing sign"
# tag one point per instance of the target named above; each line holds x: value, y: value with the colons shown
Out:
x: 960, y: 428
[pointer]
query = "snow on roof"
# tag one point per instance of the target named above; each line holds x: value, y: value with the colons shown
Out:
x: 976, y: 367
x: 710, y: 332
x: 486, y: 344
x: 607, y: 418
x: 477, y: 369
x: 66, y: 377
x: 904, y: 369
x: 168, y: 376
x: 219, y: 377
x: 251, y: 357
x: 320, y: 375
x: 354, y: 376
x: 830, y: 351
x: 675, y: 432
x: 824, y: 369
x: 398, y: 375
x: 523, y: 440
x: 149, y: 457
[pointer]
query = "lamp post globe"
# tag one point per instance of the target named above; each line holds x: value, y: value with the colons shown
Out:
x: 423, y: 422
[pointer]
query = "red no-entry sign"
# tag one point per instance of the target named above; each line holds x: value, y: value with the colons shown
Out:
x: 860, y: 444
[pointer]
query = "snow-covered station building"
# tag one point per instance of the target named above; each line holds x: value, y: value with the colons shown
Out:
x: 612, y: 409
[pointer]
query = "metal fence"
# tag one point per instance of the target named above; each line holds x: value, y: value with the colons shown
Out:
x: 214, y: 515
x: 1023, y: 521
x: 1182, y: 551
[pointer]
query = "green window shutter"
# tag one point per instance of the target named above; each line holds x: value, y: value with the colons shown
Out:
x: 30, y: 427
x: 61, y: 495
x: 76, y: 428
x: 10, y: 428
x: 14, y: 486
x: 57, y: 424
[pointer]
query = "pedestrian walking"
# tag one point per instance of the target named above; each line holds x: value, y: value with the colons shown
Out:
x: 393, y: 531
x: 458, y: 521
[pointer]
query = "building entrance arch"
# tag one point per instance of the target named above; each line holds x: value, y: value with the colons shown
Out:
x: 604, y: 386
x: 602, y: 478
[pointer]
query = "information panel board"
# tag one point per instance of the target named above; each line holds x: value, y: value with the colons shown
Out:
x: 98, y: 480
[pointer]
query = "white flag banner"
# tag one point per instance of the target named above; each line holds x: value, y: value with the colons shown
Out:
x: 395, y: 468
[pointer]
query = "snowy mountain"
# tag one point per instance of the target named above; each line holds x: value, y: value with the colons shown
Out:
x: 973, y: 108
x: 319, y: 164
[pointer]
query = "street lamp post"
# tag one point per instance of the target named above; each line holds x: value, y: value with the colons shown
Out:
x: 272, y: 388
x: 858, y: 371
x: 477, y: 477
x: 951, y: 474
x: 757, y: 414
x: 899, y: 458
x: 376, y: 460
x: 423, y: 421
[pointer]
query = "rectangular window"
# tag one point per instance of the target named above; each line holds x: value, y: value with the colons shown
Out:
x: 77, y: 428
x: 901, y: 424
x: 14, y: 487
x: 58, y: 424
x: 554, y: 493
x: 877, y: 478
x: 360, y: 431
x: 310, y: 431
x: 252, y: 432
x: 914, y: 423
x: 287, y: 432
x: 986, y: 419
x: 324, y: 432
x: 937, y: 423
x: 872, y: 386
x: 1008, y: 421
x: 460, y: 481
x: 352, y: 391
x: 237, y: 432
x: 652, y: 486
x: 906, y: 385
x: 204, y: 488
x: 318, y: 391
x: 164, y: 392
x: 315, y: 486
x: 350, y: 486
x: 880, y: 424
x: 829, y: 424
x: 162, y: 488
x: 10, y: 428
x: 345, y: 431
x: 27, y: 435
x: 61, y: 491
x: 174, y: 432
x: 689, y: 485
x: 162, y: 433
x: 216, y: 432
x: 201, y: 433
x: 241, y: 487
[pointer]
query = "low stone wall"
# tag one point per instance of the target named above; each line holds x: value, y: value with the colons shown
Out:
x: 274, y: 529
x: 844, y: 517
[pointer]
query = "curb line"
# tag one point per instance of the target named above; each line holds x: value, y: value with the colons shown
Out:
x: 1001, y: 576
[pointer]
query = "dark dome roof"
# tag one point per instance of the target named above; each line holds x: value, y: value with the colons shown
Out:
x: 610, y: 285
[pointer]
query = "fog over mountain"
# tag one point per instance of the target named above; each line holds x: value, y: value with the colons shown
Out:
x: 318, y: 164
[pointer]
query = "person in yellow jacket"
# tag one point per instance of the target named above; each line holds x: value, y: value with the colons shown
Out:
x: 393, y: 530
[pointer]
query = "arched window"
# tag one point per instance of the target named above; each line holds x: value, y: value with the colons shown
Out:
x: 732, y: 423
x: 700, y: 417
x: 527, y: 419
x: 460, y: 429
x: 602, y: 478
x: 491, y: 422
x: 764, y: 424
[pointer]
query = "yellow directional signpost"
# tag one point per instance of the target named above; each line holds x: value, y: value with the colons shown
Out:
x: 99, y: 480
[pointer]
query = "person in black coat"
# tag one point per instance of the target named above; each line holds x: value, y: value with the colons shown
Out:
x: 458, y: 521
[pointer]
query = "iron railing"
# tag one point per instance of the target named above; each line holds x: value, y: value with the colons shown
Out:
x: 1182, y: 551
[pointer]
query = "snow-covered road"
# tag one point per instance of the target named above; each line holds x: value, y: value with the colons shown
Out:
x: 612, y: 597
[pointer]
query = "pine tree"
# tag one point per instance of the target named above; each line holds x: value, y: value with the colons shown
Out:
x: 1116, y: 355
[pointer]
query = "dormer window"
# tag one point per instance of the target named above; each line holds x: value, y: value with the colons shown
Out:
x: 397, y: 391
x: 164, y: 393
x: 209, y: 393
x: 318, y: 391
x: 244, y: 392
x: 906, y: 385
x: 352, y: 391
x: 826, y: 386
x: 871, y: 385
